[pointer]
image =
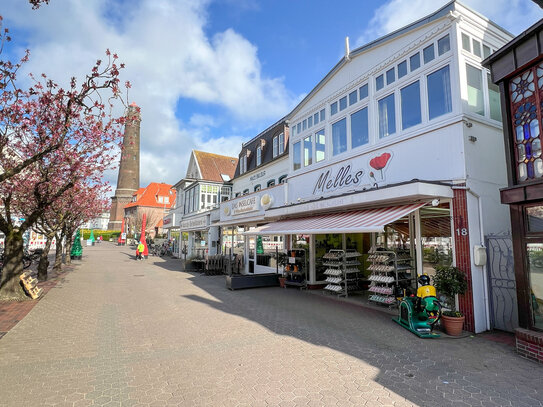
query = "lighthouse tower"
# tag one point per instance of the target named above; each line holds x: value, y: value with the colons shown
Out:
x: 128, y: 180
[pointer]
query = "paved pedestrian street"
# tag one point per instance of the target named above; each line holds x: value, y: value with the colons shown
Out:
x: 117, y: 331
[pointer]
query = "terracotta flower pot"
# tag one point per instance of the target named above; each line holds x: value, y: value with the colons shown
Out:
x: 453, y: 325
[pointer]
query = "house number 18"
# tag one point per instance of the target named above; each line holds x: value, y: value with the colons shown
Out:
x: 462, y: 232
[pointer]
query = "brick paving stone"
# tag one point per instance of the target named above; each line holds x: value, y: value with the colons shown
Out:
x: 119, y: 332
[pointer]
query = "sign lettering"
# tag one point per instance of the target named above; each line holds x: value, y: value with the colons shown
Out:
x: 344, y: 177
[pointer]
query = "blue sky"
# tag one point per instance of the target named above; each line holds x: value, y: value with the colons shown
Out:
x: 210, y: 74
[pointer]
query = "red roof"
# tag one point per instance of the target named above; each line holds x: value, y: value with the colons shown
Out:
x: 213, y: 165
x: 151, y: 195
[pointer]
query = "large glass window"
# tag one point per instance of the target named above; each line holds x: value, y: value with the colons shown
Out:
x: 208, y: 196
x: 281, y: 143
x: 411, y: 111
x: 309, y: 122
x: 439, y: 93
x: 494, y: 99
x: 308, y: 151
x: 339, y: 137
x: 476, y: 102
x: 535, y: 266
x: 320, y: 146
x: 387, y: 116
x: 275, y: 146
x: 297, y: 155
x: 316, y: 118
x: 323, y: 115
x: 359, y: 128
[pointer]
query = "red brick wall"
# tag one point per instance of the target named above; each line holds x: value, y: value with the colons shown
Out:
x: 462, y: 255
x: 529, y: 344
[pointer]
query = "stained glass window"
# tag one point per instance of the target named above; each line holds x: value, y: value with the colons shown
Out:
x: 526, y: 118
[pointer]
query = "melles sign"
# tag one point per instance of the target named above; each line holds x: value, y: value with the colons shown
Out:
x: 330, y: 180
x: 249, y: 204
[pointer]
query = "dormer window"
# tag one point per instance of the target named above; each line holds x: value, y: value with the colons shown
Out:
x: 258, y: 155
x: 278, y: 145
x: 243, y: 164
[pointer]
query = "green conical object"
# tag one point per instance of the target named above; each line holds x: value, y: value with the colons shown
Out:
x: 77, y: 250
x: 91, y: 238
x: 259, y: 245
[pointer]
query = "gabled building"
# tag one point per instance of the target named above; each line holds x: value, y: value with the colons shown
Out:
x: 395, y: 149
x: 153, y: 201
x: 208, y: 182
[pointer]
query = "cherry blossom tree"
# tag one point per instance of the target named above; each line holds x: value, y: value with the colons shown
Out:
x: 51, y: 139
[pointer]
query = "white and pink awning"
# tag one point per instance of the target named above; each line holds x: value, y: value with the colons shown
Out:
x: 362, y: 221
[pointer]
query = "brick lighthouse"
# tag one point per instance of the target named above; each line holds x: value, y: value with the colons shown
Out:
x: 128, y: 180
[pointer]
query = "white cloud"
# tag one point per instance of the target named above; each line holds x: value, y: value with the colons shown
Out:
x: 396, y: 14
x: 168, y: 57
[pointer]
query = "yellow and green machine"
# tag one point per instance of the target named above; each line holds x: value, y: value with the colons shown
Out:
x: 420, y: 313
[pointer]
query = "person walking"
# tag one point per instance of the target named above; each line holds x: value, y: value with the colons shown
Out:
x: 139, y: 251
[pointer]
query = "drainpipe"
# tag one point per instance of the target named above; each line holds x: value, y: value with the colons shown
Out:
x: 482, y: 237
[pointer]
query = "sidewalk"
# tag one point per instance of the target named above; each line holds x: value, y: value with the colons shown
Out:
x: 14, y: 311
x: 121, y: 332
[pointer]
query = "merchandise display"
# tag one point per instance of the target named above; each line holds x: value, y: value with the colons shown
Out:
x: 342, y: 273
x: 391, y: 272
x: 295, y: 269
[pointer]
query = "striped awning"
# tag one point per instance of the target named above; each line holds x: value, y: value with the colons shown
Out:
x: 362, y: 221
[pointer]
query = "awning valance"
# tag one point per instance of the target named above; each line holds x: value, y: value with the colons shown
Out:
x: 362, y: 221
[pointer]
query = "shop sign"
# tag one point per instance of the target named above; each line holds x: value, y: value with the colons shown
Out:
x: 330, y: 180
x: 245, y: 205
x: 194, y: 223
x: 350, y: 175
x: 258, y: 175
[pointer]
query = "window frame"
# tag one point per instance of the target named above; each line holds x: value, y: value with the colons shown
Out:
x: 259, y: 156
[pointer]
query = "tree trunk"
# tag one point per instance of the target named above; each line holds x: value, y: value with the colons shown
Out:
x: 58, y: 254
x: 10, y: 287
x: 43, y: 265
x: 69, y: 235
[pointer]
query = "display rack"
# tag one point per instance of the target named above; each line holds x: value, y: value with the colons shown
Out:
x: 390, y: 271
x: 342, y: 273
x: 295, y: 269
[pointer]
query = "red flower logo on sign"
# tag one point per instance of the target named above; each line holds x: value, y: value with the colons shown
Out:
x: 380, y: 162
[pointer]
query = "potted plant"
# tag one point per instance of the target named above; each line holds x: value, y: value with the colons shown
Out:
x: 449, y: 281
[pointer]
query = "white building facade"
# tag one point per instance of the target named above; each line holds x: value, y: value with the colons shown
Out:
x: 409, y: 126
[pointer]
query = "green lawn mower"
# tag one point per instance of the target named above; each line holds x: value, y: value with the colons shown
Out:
x: 420, y: 314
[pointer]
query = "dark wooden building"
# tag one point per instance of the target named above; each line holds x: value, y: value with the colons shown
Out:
x: 518, y: 70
